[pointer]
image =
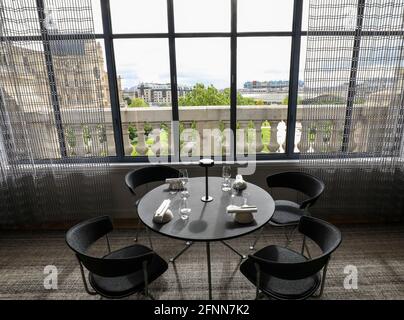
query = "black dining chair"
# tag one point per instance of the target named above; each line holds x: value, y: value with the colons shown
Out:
x: 120, y: 273
x: 139, y: 177
x: 282, y: 273
x: 288, y: 213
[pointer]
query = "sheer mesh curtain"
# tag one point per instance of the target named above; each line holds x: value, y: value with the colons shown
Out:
x: 352, y: 109
x: 51, y: 114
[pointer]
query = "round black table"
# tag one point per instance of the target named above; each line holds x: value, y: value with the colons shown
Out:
x: 208, y: 221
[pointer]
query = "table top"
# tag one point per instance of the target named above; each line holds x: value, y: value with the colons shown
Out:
x: 208, y: 221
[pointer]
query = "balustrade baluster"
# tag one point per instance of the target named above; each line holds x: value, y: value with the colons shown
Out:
x: 281, y: 136
x: 298, y: 136
x: 127, y: 145
x: 141, y: 147
x: 258, y: 137
x: 273, y: 143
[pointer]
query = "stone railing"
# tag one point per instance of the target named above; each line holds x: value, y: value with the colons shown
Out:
x: 147, y: 131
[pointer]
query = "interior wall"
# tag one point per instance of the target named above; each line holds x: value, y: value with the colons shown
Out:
x: 328, y: 207
x: 336, y: 205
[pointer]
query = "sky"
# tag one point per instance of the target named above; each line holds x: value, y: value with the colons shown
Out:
x: 204, y: 60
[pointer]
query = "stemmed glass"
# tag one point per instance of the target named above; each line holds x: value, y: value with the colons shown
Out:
x: 226, y: 174
x: 184, y: 210
x: 183, y: 177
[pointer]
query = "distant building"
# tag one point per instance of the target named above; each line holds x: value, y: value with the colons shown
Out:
x: 155, y: 93
x: 81, y: 78
x: 269, y: 85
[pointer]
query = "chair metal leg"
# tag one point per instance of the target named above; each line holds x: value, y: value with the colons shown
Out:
x: 146, y: 291
x: 257, y: 284
x: 188, y: 244
x: 307, y: 250
x: 256, y: 239
x: 289, y: 235
x: 137, y: 230
x: 323, y: 277
x: 108, y: 245
x: 303, y: 245
x: 242, y: 256
x: 83, y: 276
x: 149, y: 237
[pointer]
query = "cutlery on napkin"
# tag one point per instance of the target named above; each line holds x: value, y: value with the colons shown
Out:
x: 243, y: 214
x: 242, y: 209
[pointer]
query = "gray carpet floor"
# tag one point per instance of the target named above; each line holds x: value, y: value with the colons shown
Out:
x: 377, y: 251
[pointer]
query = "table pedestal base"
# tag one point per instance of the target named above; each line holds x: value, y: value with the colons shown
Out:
x: 188, y: 244
x: 209, y: 271
x: 209, y: 199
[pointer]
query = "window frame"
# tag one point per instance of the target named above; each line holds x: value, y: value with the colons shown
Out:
x: 233, y: 35
x: 108, y: 37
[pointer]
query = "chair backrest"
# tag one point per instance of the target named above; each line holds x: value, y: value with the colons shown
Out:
x: 136, y: 178
x: 324, y: 234
x: 309, y: 185
x: 81, y: 236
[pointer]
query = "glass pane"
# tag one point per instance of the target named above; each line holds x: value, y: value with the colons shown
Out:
x: 143, y: 70
x: 302, y: 64
x: 16, y: 21
x: 263, y: 82
x: 382, y: 15
x: 331, y: 15
x: 202, y: 15
x: 305, y: 15
x: 83, y: 91
x: 139, y: 16
x: 97, y: 16
x: 63, y: 17
x: 264, y: 15
x: 325, y: 66
x: 25, y: 88
x: 204, y: 95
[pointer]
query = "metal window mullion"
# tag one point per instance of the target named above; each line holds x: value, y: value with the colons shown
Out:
x: 112, y: 78
x: 294, y: 76
x: 175, y: 128
x: 51, y: 78
x: 233, y: 78
x: 352, y: 76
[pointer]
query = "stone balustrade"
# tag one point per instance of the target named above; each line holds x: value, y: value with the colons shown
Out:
x: 147, y: 131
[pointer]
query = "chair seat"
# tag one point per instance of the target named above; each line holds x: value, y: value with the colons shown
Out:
x: 276, y: 287
x: 119, y: 287
x: 286, y: 213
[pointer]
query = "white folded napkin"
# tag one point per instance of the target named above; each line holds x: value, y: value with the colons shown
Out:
x: 242, y: 209
x: 163, y: 214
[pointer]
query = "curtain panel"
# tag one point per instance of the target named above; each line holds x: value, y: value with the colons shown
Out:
x: 51, y: 114
x: 354, y: 70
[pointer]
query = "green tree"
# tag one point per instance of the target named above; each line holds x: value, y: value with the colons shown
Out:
x: 138, y: 102
x: 210, y: 96
x: 132, y: 133
x: 128, y: 100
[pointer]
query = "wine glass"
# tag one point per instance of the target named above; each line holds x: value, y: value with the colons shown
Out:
x: 183, y: 177
x: 245, y: 198
x: 226, y: 174
x: 184, y: 210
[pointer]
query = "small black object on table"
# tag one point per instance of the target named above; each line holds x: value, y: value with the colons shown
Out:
x: 206, y: 163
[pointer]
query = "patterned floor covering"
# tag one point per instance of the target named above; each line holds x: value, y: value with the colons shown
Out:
x: 377, y: 251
